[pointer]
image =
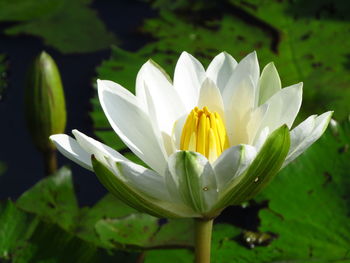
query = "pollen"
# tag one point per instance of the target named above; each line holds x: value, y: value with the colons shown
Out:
x: 204, y: 132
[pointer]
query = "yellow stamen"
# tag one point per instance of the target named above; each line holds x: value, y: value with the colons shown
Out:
x: 204, y: 132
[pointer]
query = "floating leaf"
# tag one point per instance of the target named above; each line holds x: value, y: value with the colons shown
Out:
x: 143, y: 231
x: 53, y: 198
x: 169, y: 256
x: 69, y: 26
x: 110, y: 223
x: 24, y: 238
x: 16, y: 226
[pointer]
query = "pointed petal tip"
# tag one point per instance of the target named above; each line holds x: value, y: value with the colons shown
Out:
x: 55, y: 137
x: 300, y: 85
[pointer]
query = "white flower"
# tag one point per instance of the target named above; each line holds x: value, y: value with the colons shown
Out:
x: 211, y: 138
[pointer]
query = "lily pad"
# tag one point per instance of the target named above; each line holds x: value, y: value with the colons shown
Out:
x: 16, y: 226
x: 140, y: 231
x: 69, y: 26
x: 25, y: 238
x: 110, y: 223
x: 53, y: 198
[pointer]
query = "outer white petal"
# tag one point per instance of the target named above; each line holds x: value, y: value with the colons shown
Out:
x: 72, y: 150
x: 153, y: 87
x: 191, y: 180
x: 221, y: 69
x: 232, y: 163
x: 100, y: 150
x: 269, y: 83
x: 306, y: 133
x: 131, y: 123
x: 188, y: 77
x: 248, y: 67
x: 210, y: 97
x: 238, y: 111
x: 141, y: 178
x: 283, y: 107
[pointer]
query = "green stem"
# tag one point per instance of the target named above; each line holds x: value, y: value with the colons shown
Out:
x: 203, y: 229
x: 50, y: 161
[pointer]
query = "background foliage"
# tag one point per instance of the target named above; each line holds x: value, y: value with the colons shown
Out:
x: 303, y: 216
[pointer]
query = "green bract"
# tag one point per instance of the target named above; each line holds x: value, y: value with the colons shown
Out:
x: 244, y: 126
x: 44, y: 101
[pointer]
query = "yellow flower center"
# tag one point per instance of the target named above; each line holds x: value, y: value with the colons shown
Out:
x: 204, y: 132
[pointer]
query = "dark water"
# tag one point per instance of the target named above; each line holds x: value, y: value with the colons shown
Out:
x: 25, y: 166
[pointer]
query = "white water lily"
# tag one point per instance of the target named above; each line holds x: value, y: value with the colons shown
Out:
x: 212, y: 138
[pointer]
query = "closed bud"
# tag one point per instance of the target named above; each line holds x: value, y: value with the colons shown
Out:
x: 45, y: 107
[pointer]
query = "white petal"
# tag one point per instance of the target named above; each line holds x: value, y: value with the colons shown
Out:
x: 248, y: 67
x: 261, y: 138
x: 232, y: 163
x: 306, y: 133
x: 210, y: 97
x: 100, y: 150
x: 254, y: 123
x: 283, y: 107
x: 269, y: 83
x: 131, y: 124
x: 165, y: 101
x: 237, y: 113
x: 188, y: 77
x: 221, y: 69
x: 141, y: 178
x: 164, y: 137
x: 72, y: 150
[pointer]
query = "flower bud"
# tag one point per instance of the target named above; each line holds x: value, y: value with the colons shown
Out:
x: 45, y: 107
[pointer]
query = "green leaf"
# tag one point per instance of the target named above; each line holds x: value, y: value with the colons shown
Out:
x: 53, y: 198
x: 26, y: 239
x: 113, y: 224
x: 261, y: 172
x: 69, y: 26
x: 108, y: 207
x: 169, y: 256
x: 16, y: 226
x: 141, y: 231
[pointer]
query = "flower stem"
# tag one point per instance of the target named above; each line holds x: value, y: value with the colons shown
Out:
x: 50, y: 161
x: 203, y: 229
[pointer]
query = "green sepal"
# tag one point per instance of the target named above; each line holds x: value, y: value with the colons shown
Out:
x: 192, y: 177
x: 260, y: 173
x: 128, y: 194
